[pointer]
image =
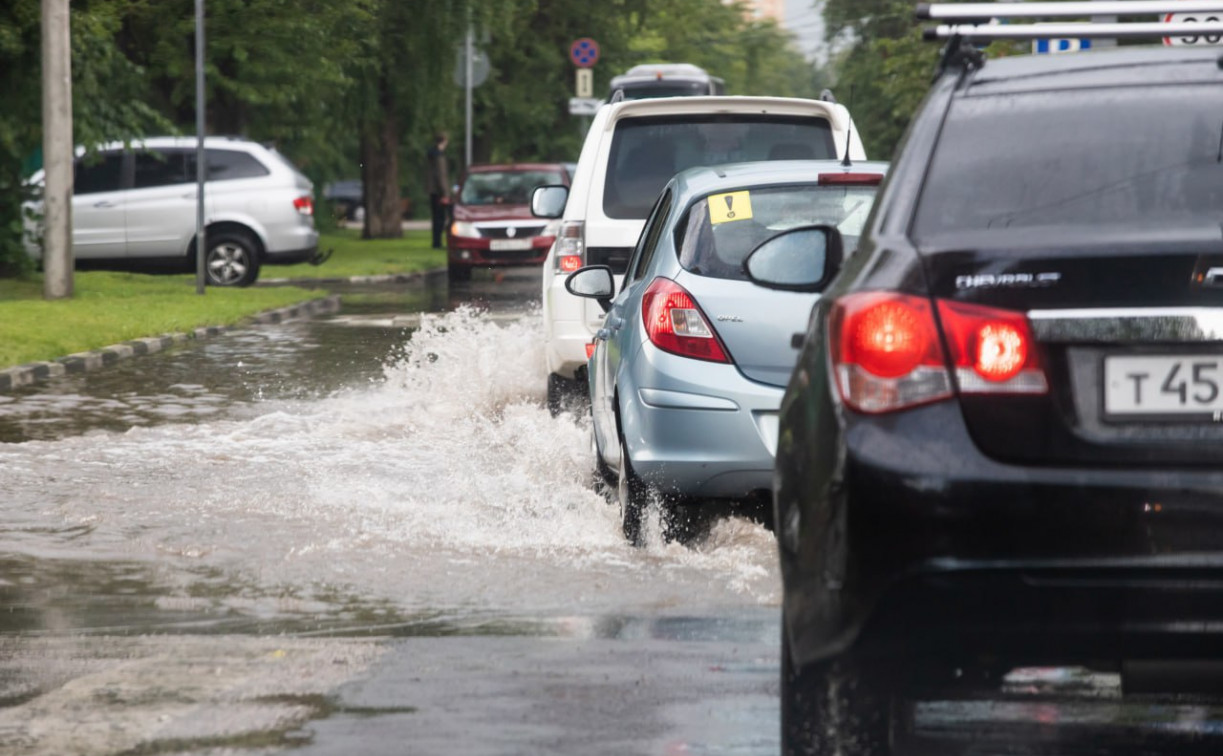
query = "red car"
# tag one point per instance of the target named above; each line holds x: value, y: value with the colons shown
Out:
x: 493, y: 225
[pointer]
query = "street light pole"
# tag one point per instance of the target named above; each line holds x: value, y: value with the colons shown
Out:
x: 57, y: 149
x: 201, y: 168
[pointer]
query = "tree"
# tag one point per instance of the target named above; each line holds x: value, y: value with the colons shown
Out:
x: 887, y: 67
x: 107, y: 93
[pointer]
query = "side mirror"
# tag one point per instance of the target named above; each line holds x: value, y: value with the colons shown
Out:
x: 801, y: 259
x: 549, y: 201
x: 592, y: 282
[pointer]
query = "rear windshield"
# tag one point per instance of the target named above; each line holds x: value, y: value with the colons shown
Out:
x: 505, y: 187
x: 647, y: 152
x: 722, y: 228
x: 1115, y: 156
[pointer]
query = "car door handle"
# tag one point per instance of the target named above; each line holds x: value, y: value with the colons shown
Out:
x: 104, y: 203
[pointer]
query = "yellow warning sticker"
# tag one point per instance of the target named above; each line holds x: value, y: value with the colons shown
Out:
x: 732, y: 206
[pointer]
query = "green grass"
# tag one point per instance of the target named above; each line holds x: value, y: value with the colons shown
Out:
x: 354, y: 256
x: 109, y: 308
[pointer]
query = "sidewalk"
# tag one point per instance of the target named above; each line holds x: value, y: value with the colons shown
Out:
x: 408, y: 225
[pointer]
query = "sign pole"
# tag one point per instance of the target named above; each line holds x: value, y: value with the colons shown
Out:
x: 1108, y: 19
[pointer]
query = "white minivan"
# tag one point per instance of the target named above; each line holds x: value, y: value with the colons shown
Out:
x: 134, y: 207
x: 632, y: 149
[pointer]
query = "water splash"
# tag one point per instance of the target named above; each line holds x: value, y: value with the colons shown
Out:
x: 446, y: 484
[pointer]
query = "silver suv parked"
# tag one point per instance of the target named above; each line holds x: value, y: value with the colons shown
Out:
x: 135, y: 207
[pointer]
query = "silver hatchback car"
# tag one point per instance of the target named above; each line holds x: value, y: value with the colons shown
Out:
x: 689, y: 369
x: 134, y: 207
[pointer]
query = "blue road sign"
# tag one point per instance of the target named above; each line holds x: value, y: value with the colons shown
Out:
x: 584, y: 52
x: 1043, y: 46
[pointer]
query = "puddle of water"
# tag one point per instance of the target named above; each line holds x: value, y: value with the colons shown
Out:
x: 441, y: 485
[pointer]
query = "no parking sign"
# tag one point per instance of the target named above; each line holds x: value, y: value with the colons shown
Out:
x: 584, y: 52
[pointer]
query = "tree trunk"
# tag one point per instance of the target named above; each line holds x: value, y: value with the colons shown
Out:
x: 380, y: 170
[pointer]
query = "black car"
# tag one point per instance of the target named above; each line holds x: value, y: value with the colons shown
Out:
x: 1003, y: 443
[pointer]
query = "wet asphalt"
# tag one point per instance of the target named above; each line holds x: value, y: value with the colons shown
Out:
x: 130, y: 626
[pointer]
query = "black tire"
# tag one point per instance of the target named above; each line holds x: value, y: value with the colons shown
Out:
x: 633, y: 495
x: 836, y: 706
x: 232, y: 259
x: 562, y: 392
x: 459, y: 273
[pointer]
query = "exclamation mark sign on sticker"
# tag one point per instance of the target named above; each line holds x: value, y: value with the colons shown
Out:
x: 731, y: 206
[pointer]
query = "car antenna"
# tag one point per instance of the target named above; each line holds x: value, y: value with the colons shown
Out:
x: 849, y: 135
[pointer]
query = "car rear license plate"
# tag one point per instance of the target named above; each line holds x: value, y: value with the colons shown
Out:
x: 1171, y: 386
x: 505, y: 245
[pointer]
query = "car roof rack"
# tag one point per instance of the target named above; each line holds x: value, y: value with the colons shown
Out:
x: 964, y: 24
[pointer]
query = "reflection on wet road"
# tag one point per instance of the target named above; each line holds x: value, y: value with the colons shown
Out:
x: 347, y: 534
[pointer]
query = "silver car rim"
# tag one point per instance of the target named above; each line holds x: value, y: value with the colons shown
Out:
x: 227, y: 263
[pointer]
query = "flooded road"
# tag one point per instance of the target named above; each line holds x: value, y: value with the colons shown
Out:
x: 365, y: 534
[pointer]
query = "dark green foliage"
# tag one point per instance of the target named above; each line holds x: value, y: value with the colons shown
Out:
x: 883, y: 73
x: 322, y: 78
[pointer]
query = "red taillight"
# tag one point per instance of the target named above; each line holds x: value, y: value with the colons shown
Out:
x: 886, y: 352
x: 570, y: 246
x: 993, y: 350
x: 889, y: 338
x: 675, y: 324
x: 304, y: 205
x: 590, y: 350
x: 850, y: 179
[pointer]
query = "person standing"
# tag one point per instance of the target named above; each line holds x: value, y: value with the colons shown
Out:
x: 439, y: 186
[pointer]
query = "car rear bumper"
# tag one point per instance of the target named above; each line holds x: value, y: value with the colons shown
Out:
x: 1052, y: 612
x: 914, y: 539
x: 479, y: 252
x: 566, y: 331
x: 698, y: 428
x: 291, y: 256
x: 291, y: 246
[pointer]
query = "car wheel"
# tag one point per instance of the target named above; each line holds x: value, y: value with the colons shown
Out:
x: 232, y: 260
x: 633, y: 495
x: 459, y: 272
x: 836, y: 706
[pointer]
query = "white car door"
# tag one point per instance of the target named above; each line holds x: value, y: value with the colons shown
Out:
x: 98, y: 207
x: 161, y: 204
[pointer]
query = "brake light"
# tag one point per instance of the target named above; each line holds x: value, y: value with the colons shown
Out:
x: 570, y: 246
x: 993, y: 350
x: 850, y: 179
x: 675, y: 324
x: 590, y: 350
x: 304, y: 205
x: 886, y: 352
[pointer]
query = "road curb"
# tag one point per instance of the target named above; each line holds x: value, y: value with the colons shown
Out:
x: 33, y: 372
